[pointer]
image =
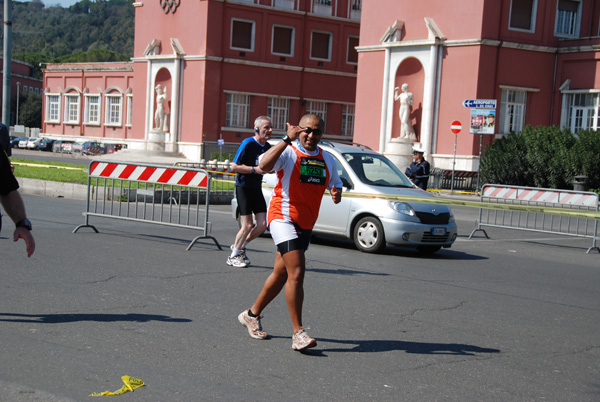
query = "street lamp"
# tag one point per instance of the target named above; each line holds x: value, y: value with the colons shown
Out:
x: 18, y: 93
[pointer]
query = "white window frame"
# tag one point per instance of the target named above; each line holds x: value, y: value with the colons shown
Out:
x: 72, y: 108
x: 293, y: 40
x: 533, y: 21
x: 319, y: 108
x: 279, y: 111
x: 582, y: 111
x: 129, y: 110
x: 252, y: 37
x: 329, y: 50
x: 87, y: 117
x: 113, y: 112
x: 52, y: 108
x: 512, y: 111
x: 348, y: 115
x: 575, y: 21
x: 237, y: 110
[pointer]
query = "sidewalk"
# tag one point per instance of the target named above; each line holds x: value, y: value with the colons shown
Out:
x: 139, y: 156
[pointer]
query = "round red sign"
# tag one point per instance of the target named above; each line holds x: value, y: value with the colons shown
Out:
x: 456, y: 126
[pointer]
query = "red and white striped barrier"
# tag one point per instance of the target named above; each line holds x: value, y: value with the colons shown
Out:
x: 159, y: 175
x: 541, y: 195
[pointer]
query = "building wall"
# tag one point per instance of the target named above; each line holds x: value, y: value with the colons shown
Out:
x: 81, y: 79
x: 480, y: 57
x: 187, y: 49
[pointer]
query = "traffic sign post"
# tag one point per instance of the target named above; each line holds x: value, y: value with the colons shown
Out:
x: 455, y: 127
x: 480, y: 103
x: 220, y: 143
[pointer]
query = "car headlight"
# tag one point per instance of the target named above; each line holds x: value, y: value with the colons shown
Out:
x: 451, y: 219
x: 402, y: 207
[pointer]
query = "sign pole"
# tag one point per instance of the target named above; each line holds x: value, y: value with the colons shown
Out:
x: 453, y: 164
x: 479, y: 165
x: 455, y: 127
x: 220, y: 146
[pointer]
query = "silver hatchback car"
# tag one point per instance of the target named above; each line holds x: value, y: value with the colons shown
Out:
x: 372, y: 223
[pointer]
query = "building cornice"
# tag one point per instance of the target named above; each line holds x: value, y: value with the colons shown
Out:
x: 481, y: 42
x: 528, y: 47
x: 71, y: 67
x: 248, y: 63
x: 261, y: 64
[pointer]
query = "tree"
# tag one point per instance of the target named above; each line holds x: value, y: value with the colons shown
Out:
x: 30, y: 110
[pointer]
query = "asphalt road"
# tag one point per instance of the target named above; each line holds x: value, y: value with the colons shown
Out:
x: 513, y: 318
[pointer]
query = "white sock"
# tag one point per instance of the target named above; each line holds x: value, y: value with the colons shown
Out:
x: 234, y: 252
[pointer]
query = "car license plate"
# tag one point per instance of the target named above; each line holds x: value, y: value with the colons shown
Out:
x: 438, y: 231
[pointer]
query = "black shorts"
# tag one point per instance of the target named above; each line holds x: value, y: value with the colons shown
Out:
x: 288, y: 236
x: 250, y: 200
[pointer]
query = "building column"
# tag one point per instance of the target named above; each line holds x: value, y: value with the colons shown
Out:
x: 429, y: 100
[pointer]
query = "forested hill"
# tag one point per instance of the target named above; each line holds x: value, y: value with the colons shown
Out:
x: 99, y: 30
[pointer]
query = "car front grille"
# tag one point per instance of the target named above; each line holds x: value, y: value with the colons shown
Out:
x: 429, y: 238
x: 431, y: 219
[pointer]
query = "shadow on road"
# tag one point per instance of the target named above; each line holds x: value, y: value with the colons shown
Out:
x: 374, y: 346
x: 65, y: 318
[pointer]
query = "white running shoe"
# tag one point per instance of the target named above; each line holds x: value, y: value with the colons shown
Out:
x: 252, y: 324
x: 237, y: 261
x: 301, y: 340
x: 243, y: 254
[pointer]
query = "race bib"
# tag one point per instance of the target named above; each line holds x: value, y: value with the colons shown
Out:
x: 312, y: 171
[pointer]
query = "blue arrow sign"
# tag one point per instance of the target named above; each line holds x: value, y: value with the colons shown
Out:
x: 480, y: 103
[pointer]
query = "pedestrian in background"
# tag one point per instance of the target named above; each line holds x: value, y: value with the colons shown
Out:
x: 5, y: 139
x: 248, y: 190
x: 304, y: 171
x: 418, y: 171
x: 13, y: 205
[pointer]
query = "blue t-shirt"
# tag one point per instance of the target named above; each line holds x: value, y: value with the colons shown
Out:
x: 248, y: 154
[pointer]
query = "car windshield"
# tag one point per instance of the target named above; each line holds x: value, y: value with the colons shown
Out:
x: 376, y: 170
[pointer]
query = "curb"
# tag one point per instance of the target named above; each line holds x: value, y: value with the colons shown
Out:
x: 52, y: 189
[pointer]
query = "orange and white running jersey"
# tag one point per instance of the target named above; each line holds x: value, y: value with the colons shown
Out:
x: 303, y: 177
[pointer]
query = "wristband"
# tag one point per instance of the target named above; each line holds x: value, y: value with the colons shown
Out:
x: 25, y: 223
x: 252, y: 170
x: 287, y: 139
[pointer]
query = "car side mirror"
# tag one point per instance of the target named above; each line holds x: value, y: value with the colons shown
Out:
x: 346, y: 183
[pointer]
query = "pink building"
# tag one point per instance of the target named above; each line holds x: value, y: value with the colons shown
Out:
x: 539, y: 60
x: 88, y: 99
x: 213, y: 66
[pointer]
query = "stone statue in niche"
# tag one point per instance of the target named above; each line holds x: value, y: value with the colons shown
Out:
x: 406, y: 101
x: 160, y: 116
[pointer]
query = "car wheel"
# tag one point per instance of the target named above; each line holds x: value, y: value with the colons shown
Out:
x: 368, y: 235
x: 428, y: 249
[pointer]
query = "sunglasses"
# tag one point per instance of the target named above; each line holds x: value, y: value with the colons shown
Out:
x: 308, y: 130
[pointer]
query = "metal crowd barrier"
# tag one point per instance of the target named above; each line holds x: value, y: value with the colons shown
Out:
x: 441, y: 179
x: 163, y: 195
x: 223, y: 180
x: 537, y: 220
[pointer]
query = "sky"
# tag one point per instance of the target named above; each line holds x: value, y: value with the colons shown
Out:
x: 62, y: 3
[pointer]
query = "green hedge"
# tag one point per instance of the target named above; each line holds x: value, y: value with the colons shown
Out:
x: 547, y: 157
